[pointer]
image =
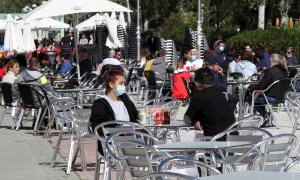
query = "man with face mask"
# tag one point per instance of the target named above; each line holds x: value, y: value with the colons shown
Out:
x: 219, y: 55
x: 193, y: 62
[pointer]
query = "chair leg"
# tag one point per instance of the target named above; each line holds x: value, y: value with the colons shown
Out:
x: 41, y: 120
x: 97, y: 166
x: 273, y: 115
x: 82, y: 155
x: 146, y: 97
x: 52, y: 164
x: 20, y: 119
x: 2, y: 114
x: 37, y: 120
x: 48, y: 129
x: 70, y: 159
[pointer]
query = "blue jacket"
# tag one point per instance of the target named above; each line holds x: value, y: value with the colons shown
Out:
x: 245, y: 67
x: 66, y: 67
x: 220, y: 82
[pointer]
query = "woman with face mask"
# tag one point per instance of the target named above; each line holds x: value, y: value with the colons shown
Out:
x: 115, y: 104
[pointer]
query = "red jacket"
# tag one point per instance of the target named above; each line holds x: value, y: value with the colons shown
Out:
x: 2, y: 72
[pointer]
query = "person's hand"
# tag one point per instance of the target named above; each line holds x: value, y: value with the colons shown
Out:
x: 221, y: 71
x: 198, y: 126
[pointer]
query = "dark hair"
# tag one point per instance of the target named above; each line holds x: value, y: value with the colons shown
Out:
x: 237, y: 54
x: 219, y: 42
x: 161, y: 53
x: 111, y: 76
x: 65, y: 56
x: 34, y: 61
x: 247, y: 56
x: 204, y: 76
x: 83, y: 50
x: 21, y: 58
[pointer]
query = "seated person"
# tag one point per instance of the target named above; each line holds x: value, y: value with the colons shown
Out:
x: 3, y: 69
x: 85, y: 63
x: 246, y: 67
x: 209, y: 110
x: 115, y: 104
x: 66, y: 66
x: 13, y: 70
x: 278, y: 70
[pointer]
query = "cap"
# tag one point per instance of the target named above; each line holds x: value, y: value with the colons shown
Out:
x: 213, y: 60
x: 204, y: 76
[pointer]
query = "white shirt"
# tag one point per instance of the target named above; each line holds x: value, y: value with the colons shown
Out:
x: 112, y: 61
x: 231, y: 67
x: 197, y: 64
x: 121, y: 113
x: 9, y: 77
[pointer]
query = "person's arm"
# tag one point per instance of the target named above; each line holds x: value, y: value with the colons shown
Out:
x: 64, y: 69
x: 265, y: 82
x: 195, y: 106
x: 99, y: 114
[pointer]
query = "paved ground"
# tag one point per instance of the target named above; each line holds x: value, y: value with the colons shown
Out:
x: 24, y: 156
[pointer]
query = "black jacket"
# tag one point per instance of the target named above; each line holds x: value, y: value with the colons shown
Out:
x: 273, y: 74
x: 211, y: 109
x: 102, y: 112
x: 85, y: 66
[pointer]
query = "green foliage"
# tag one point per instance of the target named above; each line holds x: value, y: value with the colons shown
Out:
x: 278, y: 39
x: 174, y: 26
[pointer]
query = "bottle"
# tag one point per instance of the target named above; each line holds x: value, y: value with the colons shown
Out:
x: 159, y: 118
x: 167, y: 116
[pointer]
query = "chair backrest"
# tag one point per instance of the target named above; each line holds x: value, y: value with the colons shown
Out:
x: 166, y: 175
x: 273, y: 152
x: 71, y: 72
x: 292, y: 165
x: 60, y: 109
x: 250, y: 121
x: 186, y: 166
x: 6, y: 89
x: 296, y: 83
x: 138, y: 157
x: 150, y: 76
x: 30, y: 96
x: 248, y: 134
x: 282, y: 87
x: 128, y: 78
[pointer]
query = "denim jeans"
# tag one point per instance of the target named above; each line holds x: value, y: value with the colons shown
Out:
x: 261, y: 99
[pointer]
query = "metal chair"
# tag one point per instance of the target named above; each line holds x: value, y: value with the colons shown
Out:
x: 281, y: 88
x: 113, y: 140
x: 186, y: 166
x: 80, y: 134
x: 292, y: 165
x: 250, y: 121
x: 165, y: 175
x: 6, y: 89
x: 103, y: 131
x: 152, y: 85
x: 293, y: 108
x: 249, y: 134
x: 140, y: 158
x: 33, y: 97
x: 270, y: 154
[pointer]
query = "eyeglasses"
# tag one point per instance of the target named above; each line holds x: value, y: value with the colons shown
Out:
x: 289, y: 52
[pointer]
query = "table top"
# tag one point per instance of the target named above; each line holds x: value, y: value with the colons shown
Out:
x: 201, y: 145
x: 172, y: 124
x: 257, y: 175
x: 242, y: 82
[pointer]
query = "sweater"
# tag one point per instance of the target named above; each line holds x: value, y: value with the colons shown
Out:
x: 273, y: 74
x: 211, y: 109
x: 102, y: 112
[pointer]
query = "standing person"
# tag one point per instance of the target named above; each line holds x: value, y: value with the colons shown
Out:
x: 13, y: 70
x: 152, y: 43
x: 83, y: 40
x: 209, y: 110
x: 160, y: 66
x: 237, y: 59
x: 193, y: 62
x: 115, y: 104
x: 219, y: 54
x: 91, y: 39
x: 85, y: 63
x: 278, y: 70
x: 67, y: 44
x: 66, y: 65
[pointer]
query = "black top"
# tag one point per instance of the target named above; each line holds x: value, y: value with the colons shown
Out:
x: 273, y: 74
x: 102, y: 112
x: 85, y: 66
x: 212, y: 110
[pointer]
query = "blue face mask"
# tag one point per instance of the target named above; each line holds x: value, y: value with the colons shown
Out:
x: 120, y: 90
x: 221, y: 49
x: 193, y: 58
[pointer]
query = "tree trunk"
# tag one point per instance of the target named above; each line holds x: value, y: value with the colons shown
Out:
x: 284, y: 9
x: 261, y: 15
